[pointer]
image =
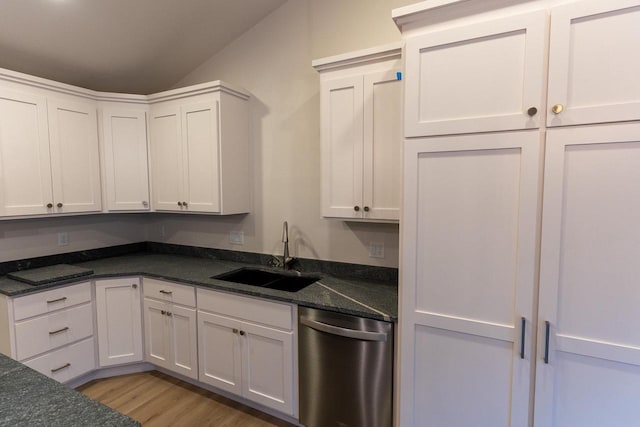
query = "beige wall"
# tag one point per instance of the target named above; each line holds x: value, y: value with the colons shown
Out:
x: 273, y: 62
x: 26, y: 238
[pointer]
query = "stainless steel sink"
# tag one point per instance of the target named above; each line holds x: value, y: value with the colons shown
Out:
x: 268, y: 279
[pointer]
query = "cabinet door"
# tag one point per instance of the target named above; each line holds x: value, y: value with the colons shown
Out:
x: 342, y: 147
x: 480, y: 77
x: 593, y: 62
x: 166, y: 158
x: 25, y: 167
x: 184, y: 349
x: 220, y: 361
x: 201, y: 162
x: 125, y: 159
x: 589, y: 279
x: 470, y: 219
x: 267, y: 367
x: 157, y: 343
x: 119, y: 321
x: 75, y: 163
x: 382, y: 142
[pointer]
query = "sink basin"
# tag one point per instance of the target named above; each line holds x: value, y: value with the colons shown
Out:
x: 268, y: 279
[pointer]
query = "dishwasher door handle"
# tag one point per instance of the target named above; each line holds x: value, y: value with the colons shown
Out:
x: 343, y: 332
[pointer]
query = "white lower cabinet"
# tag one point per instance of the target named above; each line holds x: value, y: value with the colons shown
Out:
x: 243, y: 352
x: 52, y: 331
x: 588, y: 363
x: 67, y: 362
x: 119, y: 321
x: 468, y: 279
x: 170, y: 332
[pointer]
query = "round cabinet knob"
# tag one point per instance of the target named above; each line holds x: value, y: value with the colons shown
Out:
x: 145, y: 203
x: 184, y: 204
x: 49, y: 205
x: 356, y: 208
x: 235, y: 331
x: 162, y: 312
x: 179, y: 203
x: 366, y: 209
x: 557, y: 109
x: 242, y: 333
x: 532, y: 111
x: 59, y: 205
x: 134, y: 286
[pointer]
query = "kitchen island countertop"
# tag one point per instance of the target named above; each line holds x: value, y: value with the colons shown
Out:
x: 28, y: 398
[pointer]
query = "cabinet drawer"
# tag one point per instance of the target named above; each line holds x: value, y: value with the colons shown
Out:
x: 44, y: 333
x: 171, y: 292
x: 256, y: 310
x: 55, y: 299
x: 66, y: 363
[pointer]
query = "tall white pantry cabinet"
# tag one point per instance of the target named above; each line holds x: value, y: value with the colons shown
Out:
x: 519, y: 296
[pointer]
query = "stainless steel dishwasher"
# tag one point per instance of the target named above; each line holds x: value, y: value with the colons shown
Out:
x: 346, y: 370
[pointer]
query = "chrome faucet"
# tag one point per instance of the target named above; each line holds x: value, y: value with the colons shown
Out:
x: 285, y: 239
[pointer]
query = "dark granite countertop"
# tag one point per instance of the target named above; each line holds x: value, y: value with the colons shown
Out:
x: 28, y: 398
x: 361, y: 297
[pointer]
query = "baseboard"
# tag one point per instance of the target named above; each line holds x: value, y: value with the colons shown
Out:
x: 111, y: 371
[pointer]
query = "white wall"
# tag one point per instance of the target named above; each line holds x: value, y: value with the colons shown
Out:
x: 26, y: 238
x: 273, y: 62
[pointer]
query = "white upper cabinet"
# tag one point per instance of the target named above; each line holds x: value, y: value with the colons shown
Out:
x: 57, y: 158
x: 360, y: 108
x: 200, y: 151
x: 125, y: 159
x: 487, y: 76
x: 49, y: 153
x: 75, y: 161
x: 594, y: 63
x: 25, y: 167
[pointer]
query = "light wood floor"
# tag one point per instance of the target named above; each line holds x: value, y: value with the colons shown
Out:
x: 155, y: 399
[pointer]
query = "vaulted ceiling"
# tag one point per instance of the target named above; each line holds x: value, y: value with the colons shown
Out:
x: 132, y: 46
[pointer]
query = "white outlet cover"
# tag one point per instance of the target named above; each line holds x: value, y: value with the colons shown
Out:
x: 63, y: 239
x: 236, y: 237
x: 376, y: 250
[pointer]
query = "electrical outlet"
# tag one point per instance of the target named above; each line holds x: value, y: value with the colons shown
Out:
x: 376, y: 250
x: 236, y: 237
x: 63, y: 238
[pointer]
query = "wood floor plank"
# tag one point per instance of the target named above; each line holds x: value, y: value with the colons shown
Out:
x: 158, y: 400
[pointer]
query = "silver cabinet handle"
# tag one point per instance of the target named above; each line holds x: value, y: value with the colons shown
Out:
x: 522, y: 336
x: 66, y: 328
x: 57, y: 300
x: 547, y: 332
x: 344, y: 332
x: 66, y: 365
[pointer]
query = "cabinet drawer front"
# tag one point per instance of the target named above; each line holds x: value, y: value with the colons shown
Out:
x: 256, y: 310
x: 55, y: 299
x: 171, y: 292
x: 66, y: 363
x: 41, y: 334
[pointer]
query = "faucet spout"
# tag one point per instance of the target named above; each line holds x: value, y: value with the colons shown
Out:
x: 285, y: 240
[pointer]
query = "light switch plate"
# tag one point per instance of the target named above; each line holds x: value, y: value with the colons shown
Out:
x: 236, y: 237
